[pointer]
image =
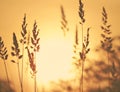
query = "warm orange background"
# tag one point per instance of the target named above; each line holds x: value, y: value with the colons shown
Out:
x: 55, y: 56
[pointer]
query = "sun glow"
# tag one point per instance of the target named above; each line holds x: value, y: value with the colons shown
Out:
x: 54, y: 60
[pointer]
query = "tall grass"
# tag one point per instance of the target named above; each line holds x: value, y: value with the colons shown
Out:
x: 34, y: 48
x: 85, y: 42
x: 31, y: 43
x: 4, y: 57
x: 16, y: 53
x: 83, y: 53
x: 76, y: 49
x: 76, y: 57
x: 106, y: 42
x: 23, y: 41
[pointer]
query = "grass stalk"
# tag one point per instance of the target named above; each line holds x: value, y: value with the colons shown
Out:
x: 22, y: 68
x: 108, y: 68
x: 106, y: 42
x: 35, y: 82
x: 85, y: 43
x: 76, y: 58
x: 82, y: 54
x: 23, y: 42
x: 6, y: 72
x: 4, y: 56
x: 82, y: 76
x: 16, y: 53
x: 34, y: 48
x: 18, y: 68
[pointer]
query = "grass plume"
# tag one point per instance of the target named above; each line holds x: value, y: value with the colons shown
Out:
x: 4, y: 57
x: 32, y: 53
x: 23, y: 41
x: 76, y: 50
x: 85, y: 42
x: 64, y: 23
x: 83, y: 53
x: 106, y: 42
x: 81, y: 12
x: 16, y: 53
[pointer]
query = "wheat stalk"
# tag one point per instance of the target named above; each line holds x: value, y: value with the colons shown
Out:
x: 4, y: 56
x: 83, y: 53
x: 85, y: 43
x: 32, y: 53
x: 106, y: 43
x: 16, y: 53
x: 23, y: 41
x: 81, y: 15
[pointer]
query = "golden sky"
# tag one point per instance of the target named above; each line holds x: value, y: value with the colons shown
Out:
x: 48, y: 16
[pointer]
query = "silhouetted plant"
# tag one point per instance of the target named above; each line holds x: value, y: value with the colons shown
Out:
x: 64, y: 23
x: 27, y: 46
x: 76, y: 58
x: 16, y: 53
x: 35, y: 45
x: 98, y: 72
x: 81, y: 15
x: 85, y: 42
x: 83, y: 53
x: 115, y: 66
x: 81, y: 12
x: 76, y: 50
x: 106, y: 43
x: 32, y: 53
x: 4, y: 56
x: 23, y: 41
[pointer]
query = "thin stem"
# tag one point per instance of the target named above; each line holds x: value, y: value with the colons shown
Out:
x: 82, y: 34
x: 82, y: 76
x: 108, y: 69
x: 35, y: 84
x: 80, y: 85
x: 35, y: 75
x: 19, y: 76
x: 22, y: 68
x: 6, y: 73
x: 82, y: 63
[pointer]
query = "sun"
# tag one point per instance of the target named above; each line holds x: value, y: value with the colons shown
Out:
x: 54, y: 60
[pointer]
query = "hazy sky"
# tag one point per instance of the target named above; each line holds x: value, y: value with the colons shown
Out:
x: 48, y: 16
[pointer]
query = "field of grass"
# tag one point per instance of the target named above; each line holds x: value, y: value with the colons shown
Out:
x: 90, y: 75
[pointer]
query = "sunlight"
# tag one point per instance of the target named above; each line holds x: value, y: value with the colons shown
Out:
x: 63, y: 57
x: 53, y: 61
